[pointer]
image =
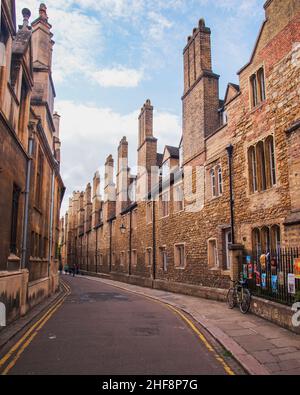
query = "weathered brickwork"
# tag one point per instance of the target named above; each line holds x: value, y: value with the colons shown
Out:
x: 188, y: 242
x: 30, y: 182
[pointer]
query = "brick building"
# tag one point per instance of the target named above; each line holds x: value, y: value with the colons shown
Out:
x: 30, y: 182
x: 231, y: 183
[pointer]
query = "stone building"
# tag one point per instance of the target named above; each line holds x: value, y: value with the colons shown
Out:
x: 30, y: 182
x: 232, y: 183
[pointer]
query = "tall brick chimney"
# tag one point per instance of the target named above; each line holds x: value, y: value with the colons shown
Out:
x: 109, y: 189
x: 201, y: 92
x: 97, y: 201
x: 122, y: 176
x: 147, y: 150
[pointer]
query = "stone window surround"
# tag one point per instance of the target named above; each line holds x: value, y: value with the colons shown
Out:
x: 134, y: 258
x: 163, y: 249
x: 149, y: 208
x: 177, y: 259
x: 161, y: 202
x: 272, y: 233
x: 214, y: 170
x: 266, y: 167
x: 176, y: 202
x: 260, y: 99
x: 148, y: 257
x: 216, y: 265
x: 122, y: 258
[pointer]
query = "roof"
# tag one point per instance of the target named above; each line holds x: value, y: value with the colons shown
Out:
x: 173, y: 151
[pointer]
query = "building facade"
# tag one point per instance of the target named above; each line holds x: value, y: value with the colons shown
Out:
x: 232, y: 182
x: 31, y: 188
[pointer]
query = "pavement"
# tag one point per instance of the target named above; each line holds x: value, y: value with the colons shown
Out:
x: 261, y: 347
x: 99, y: 329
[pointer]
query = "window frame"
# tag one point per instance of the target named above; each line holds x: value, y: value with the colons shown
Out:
x: 180, y: 260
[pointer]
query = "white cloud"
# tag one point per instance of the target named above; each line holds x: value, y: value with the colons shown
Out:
x: 120, y: 76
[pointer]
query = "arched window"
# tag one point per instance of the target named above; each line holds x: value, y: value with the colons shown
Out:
x: 261, y: 166
x: 256, y: 242
x: 265, y: 239
x: 275, y: 238
x: 213, y: 182
x: 270, y: 159
x: 261, y: 83
x: 220, y: 180
x: 252, y: 169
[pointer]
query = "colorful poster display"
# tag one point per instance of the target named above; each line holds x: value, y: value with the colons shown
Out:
x: 257, y: 276
x: 291, y: 284
x: 245, y: 272
x: 297, y: 268
x: 264, y: 280
x: 281, y: 279
x: 274, y: 280
x: 263, y: 262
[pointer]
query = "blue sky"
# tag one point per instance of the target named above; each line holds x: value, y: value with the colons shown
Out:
x: 111, y: 55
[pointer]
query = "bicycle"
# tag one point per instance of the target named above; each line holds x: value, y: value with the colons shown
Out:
x: 240, y: 295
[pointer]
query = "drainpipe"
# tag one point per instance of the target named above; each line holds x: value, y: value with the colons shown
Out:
x: 230, y: 155
x: 96, y: 256
x: 130, y: 242
x: 26, y: 206
x: 154, y: 239
x: 110, y: 246
x: 51, y: 221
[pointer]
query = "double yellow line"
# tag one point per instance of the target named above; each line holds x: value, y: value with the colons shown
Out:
x: 12, y: 356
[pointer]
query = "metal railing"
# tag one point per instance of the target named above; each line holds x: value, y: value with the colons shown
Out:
x: 274, y: 275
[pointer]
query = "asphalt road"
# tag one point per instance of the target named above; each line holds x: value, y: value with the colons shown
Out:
x: 101, y: 329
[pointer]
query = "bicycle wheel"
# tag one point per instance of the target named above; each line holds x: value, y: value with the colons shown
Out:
x: 246, y: 301
x: 231, y: 298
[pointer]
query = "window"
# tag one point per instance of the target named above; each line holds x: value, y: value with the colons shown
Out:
x: 164, y: 204
x: 39, y: 180
x: 256, y: 243
x: 258, y: 87
x: 265, y: 239
x: 252, y: 169
x: 166, y: 169
x: 275, y: 238
x: 149, y: 257
x: 100, y: 216
x: 23, y: 107
x: 216, y: 181
x: 134, y: 219
x: 149, y: 213
x: 179, y: 256
x: 262, y: 165
x: 213, y: 260
x: 163, y: 258
x: 122, y: 258
x: 228, y: 243
x: 220, y: 180
x: 254, y: 90
x: 4, y: 35
x: 270, y: 157
x: 14, y: 219
x: 178, y: 198
x: 134, y: 258
x: 261, y: 83
x: 213, y: 183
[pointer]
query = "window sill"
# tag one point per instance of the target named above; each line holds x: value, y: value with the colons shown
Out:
x: 226, y: 272
x: 257, y: 107
x: 274, y: 187
x: 180, y: 268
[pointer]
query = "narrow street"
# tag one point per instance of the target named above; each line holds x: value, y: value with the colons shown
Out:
x: 100, y: 329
